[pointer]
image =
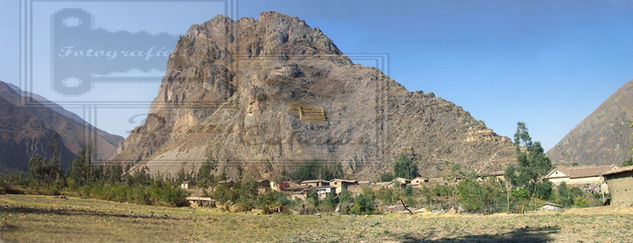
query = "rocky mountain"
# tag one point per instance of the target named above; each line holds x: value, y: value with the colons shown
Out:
x: 27, y: 129
x: 269, y: 94
x: 604, y: 137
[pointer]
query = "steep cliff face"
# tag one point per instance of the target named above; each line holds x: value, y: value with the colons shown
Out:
x: 26, y: 130
x: 604, y: 137
x: 273, y: 93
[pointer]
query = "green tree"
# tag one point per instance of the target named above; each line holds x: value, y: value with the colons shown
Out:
x: 364, y: 203
x: 345, y: 198
x: 47, y: 172
x: 564, y: 196
x: 317, y: 169
x: 37, y: 168
x: 204, y: 177
x: 386, y: 177
x: 404, y: 167
x: 532, y: 163
x: 80, y: 170
x: 56, y: 169
x: 481, y: 197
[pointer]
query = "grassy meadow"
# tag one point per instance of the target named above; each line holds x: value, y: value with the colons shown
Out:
x: 31, y: 218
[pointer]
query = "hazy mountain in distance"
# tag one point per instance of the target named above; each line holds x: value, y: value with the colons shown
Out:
x: 26, y: 130
x: 604, y: 137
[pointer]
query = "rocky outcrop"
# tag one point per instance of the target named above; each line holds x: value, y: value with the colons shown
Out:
x: 604, y: 137
x: 27, y: 129
x: 269, y: 94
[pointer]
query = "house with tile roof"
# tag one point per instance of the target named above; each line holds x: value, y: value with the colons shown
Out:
x: 578, y: 175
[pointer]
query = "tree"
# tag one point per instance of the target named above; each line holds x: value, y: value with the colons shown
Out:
x: 47, y: 172
x: 55, y: 168
x: 317, y: 169
x: 79, y: 170
x: 532, y: 163
x: 364, y: 203
x: 386, y: 177
x: 480, y: 197
x: 404, y: 167
x: 205, y: 178
x: 564, y: 197
x: 37, y: 168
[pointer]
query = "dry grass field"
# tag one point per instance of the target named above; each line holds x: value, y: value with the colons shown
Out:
x: 27, y: 218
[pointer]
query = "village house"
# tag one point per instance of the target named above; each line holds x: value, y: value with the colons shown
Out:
x: 419, y: 181
x: 339, y: 184
x: 495, y: 174
x: 184, y: 185
x: 274, y: 186
x: 227, y: 182
x: 578, y: 175
x: 620, y: 182
x: 403, y: 181
x: 315, y: 183
x: 263, y: 185
x: 322, y: 191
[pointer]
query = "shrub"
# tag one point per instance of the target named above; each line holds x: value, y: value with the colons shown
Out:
x: 386, y: 177
x: 364, y: 203
x: 480, y: 197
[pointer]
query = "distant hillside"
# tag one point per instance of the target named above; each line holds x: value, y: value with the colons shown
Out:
x: 26, y: 130
x: 604, y: 137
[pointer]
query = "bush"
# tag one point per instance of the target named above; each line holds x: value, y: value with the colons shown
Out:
x: 273, y: 201
x: 386, y: 177
x: 480, y: 197
x: 386, y: 195
x: 564, y: 196
x: 364, y: 203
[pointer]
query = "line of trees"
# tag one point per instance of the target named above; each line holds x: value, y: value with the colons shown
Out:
x: 86, y: 179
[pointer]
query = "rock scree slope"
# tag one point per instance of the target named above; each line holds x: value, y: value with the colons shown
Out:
x: 269, y: 94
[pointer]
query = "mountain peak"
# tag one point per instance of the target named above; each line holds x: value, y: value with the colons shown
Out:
x: 272, y: 93
x: 604, y: 137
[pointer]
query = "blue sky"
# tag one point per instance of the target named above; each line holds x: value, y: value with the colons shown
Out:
x: 548, y: 63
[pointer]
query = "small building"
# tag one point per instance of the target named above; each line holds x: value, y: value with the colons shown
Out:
x: 403, y: 181
x: 548, y: 206
x: 620, y: 182
x: 495, y: 174
x: 227, y: 182
x: 364, y: 183
x: 201, y: 201
x: 578, y: 175
x: 184, y: 185
x: 322, y: 191
x: 418, y: 181
x: 274, y: 186
x: 339, y: 184
x: 315, y: 183
x: 263, y: 185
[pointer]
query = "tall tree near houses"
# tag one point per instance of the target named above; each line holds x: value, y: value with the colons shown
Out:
x: 531, y: 166
x: 80, y: 170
